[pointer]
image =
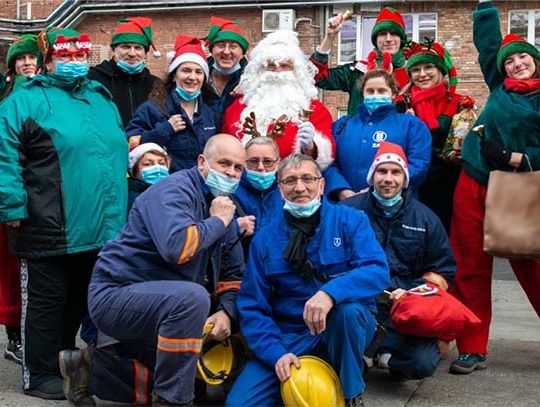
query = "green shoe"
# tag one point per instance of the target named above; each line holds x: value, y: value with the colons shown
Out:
x: 468, y: 362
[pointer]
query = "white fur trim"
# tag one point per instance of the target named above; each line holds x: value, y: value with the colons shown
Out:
x: 189, y: 57
x: 141, y: 150
x: 324, y: 150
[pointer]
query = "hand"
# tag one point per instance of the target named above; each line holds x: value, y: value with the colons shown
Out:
x: 397, y: 294
x: 177, y: 123
x: 222, y: 326
x: 334, y: 25
x: 306, y: 132
x: 316, y: 310
x: 283, y: 366
x: 236, y: 92
x: 246, y: 225
x: 14, y: 223
x: 492, y: 151
x: 345, y: 193
x: 223, y: 208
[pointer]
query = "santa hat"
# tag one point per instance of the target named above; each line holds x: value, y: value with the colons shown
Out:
x: 55, y: 39
x: 389, y: 153
x: 225, y: 30
x: 430, y: 52
x: 513, y: 44
x: 389, y: 19
x: 22, y: 45
x: 187, y: 49
x: 136, y: 154
x: 136, y: 30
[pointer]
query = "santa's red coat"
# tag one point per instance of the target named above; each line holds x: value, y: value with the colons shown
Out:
x: 321, y: 119
x: 10, y: 289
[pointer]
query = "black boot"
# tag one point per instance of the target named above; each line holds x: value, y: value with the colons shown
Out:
x: 14, y: 351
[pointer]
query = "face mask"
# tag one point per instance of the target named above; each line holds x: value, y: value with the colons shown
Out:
x: 261, y: 180
x: 130, y: 69
x: 154, y: 174
x: 219, y: 183
x: 387, y: 202
x: 302, y: 210
x: 224, y: 71
x: 188, y: 97
x: 71, y: 69
x: 372, y: 102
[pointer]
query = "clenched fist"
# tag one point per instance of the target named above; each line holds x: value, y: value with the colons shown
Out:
x: 177, y: 123
x: 223, y: 208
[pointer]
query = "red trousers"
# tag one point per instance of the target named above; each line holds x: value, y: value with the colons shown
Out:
x: 10, y: 287
x: 472, y: 284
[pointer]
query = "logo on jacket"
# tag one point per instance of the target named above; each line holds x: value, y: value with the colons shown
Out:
x: 378, y: 137
x: 337, y: 241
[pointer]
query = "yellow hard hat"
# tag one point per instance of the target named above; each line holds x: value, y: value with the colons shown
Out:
x: 314, y: 384
x: 220, y: 361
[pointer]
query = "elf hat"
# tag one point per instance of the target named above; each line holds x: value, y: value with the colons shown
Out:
x: 222, y: 30
x: 22, y: 45
x: 389, y: 153
x: 187, y: 49
x: 137, y: 30
x: 513, y: 44
x: 430, y: 52
x: 389, y: 19
x: 55, y: 39
x: 136, y: 154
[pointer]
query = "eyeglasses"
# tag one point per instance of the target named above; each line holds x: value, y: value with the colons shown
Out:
x: 221, y: 46
x: 427, y: 68
x: 306, y: 180
x: 66, y: 55
x: 253, y: 163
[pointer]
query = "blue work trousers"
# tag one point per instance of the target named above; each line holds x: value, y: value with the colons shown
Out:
x: 348, y: 333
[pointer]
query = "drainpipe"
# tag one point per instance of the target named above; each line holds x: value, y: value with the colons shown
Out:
x: 18, y: 9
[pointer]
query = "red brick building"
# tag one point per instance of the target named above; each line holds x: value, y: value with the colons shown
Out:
x: 448, y: 21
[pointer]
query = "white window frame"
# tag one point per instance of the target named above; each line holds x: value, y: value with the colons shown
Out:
x: 358, y: 42
x: 530, y: 22
x: 416, y: 24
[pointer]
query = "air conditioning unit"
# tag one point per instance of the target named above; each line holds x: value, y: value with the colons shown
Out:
x: 273, y: 20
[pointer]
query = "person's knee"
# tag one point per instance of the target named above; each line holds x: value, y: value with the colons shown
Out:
x: 196, y: 303
x: 425, y: 364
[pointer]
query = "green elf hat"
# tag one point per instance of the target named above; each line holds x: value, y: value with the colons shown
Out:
x: 58, y: 38
x: 513, y: 44
x: 389, y: 19
x: 222, y: 30
x: 430, y: 52
x: 137, y: 30
x: 23, y: 44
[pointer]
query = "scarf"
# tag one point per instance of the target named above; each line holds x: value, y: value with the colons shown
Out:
x: 429, y: 104
x: 522, y: 86
x: 295, y: 252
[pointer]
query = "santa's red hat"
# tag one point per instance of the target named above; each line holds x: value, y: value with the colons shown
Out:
x: 187, y: 49
x: 389, y: 153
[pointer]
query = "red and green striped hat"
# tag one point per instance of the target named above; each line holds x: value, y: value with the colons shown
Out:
x: 430, y: 52
x: 389, y: 19
x: 136, y: 30
x: 225, y: 30
x: 513, y: 44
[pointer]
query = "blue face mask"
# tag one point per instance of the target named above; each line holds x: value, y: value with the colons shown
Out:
x: 372, y: 102
x: 130, y: 69
x: 224, y: 71
x: 261, y: 180
x: 387, y: 202
x: 154, y: 174
x: 302, y: 210
x: 219, y: 183
x: 72, y: 69
x: 188, y: 97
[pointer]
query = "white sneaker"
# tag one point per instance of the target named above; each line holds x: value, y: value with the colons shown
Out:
x: 383, y: 360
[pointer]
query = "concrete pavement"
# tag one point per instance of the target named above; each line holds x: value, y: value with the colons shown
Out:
x: 512, y: 377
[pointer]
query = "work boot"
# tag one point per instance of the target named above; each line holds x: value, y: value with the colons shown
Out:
x: 48, y: 388
x: 468, y: 362
x: 158, y: 401
x: 75, y: 369
x: 14, y: 350
x: 357, y: 401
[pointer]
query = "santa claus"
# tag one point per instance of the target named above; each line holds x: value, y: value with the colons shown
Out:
x: 279, y: 101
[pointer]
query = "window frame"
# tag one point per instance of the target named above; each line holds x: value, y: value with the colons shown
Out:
x: 530, y: 23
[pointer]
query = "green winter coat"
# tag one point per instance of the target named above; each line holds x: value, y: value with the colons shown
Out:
x: 63, y: 160
x: 510, y: 119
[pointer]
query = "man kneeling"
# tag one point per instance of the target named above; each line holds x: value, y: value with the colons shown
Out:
x: 309, y: 289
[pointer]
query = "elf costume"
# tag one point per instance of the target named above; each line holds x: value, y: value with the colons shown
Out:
x: 512, y: 120
x: 22, y: 45
x: 345, y: 77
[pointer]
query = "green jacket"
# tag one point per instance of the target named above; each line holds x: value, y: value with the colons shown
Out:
x: 509, y: 118
x: 63, y: 160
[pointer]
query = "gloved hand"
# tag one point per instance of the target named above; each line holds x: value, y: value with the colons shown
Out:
x: 306, y: 132
x: 492, y: 151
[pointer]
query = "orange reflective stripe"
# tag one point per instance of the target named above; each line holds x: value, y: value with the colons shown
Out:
x: 436, y: 279
x: 141, y: 383
x: 179, y: 345
x: 223, y: 286
x: 133, y: 142
x: 191, y: 245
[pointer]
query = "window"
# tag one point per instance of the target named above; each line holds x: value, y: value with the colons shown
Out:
x: 525, y: 23
x: 354, y: 41
x: 342, y: 111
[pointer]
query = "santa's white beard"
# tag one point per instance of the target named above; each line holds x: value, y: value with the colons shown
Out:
x: 276, y: 94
